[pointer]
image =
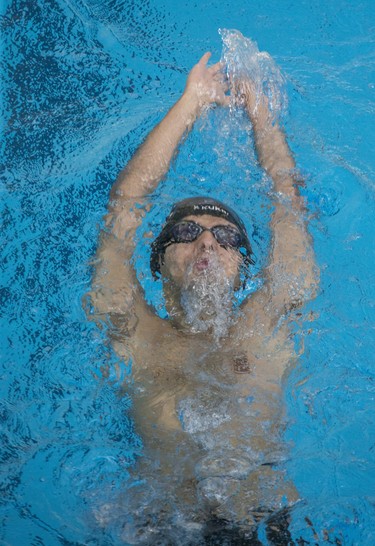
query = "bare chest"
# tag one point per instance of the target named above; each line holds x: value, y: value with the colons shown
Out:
x: 165, y: 359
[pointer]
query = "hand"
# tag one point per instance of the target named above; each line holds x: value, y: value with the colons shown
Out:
x: 206, y: 84
x: 247, y: 95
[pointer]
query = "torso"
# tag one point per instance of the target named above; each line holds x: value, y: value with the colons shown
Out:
x: 198, y: 400
x: 170, y: 367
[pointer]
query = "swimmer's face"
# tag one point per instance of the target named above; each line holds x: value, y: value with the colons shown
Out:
x: 199, y: 257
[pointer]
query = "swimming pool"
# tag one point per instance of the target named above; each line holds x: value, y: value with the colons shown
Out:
x: 83, y: 83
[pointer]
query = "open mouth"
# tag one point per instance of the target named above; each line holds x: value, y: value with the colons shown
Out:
x: 203, y: 264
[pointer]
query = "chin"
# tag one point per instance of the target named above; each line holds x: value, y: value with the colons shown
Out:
x: 207, y: 304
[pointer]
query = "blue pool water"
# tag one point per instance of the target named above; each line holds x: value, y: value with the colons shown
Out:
x: 82, y: 83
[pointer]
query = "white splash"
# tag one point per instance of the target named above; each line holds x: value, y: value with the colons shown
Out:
x: 207, y: 300
x: 244, y: 60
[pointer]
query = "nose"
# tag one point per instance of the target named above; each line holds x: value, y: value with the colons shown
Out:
x: 206, y: 241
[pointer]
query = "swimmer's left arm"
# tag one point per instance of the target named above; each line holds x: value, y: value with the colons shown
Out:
x: 292, y: 275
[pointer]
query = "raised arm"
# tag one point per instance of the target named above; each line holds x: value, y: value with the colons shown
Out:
x: 291, y: 275
x: 114, y: 285
x: 151, y: 162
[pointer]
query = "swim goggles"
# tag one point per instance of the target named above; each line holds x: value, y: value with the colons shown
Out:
x: 188, y: 231
x: 226, y: 235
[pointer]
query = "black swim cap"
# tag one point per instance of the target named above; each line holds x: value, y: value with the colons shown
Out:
x: 197, y: 206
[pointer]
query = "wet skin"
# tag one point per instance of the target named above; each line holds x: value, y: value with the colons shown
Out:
x: 172, y: 365
x: 234, y: 383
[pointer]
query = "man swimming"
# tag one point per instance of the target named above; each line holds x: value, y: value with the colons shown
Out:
x: 207, y: 381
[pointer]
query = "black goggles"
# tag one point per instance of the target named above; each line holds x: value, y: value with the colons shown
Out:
x: 188, y: 231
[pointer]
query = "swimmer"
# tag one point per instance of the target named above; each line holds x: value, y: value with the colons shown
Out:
x: 207, y: 381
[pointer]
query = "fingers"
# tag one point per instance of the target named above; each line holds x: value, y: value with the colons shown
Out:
x: 212, y: 81
x: 217, y: 67
x: 206, y: 57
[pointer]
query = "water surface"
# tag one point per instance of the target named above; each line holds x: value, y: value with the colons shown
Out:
x: 83, y: 83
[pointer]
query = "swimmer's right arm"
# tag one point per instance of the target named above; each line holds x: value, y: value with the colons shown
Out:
x: 115, y: 280
x: 205, y: 85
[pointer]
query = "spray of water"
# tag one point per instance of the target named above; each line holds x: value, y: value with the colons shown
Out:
x: 207, y: 300
x: 244, y: 61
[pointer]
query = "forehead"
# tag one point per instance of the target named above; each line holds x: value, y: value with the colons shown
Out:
x: 207, y: 220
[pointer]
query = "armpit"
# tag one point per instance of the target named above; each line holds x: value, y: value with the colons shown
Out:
x: 123, y: 325
x: 290, y: 290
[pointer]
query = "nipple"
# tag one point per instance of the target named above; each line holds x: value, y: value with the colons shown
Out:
x: 241, y: 364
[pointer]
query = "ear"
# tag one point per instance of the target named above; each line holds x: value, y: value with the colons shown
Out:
x: 243, y: 275
x: 164, y: 273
